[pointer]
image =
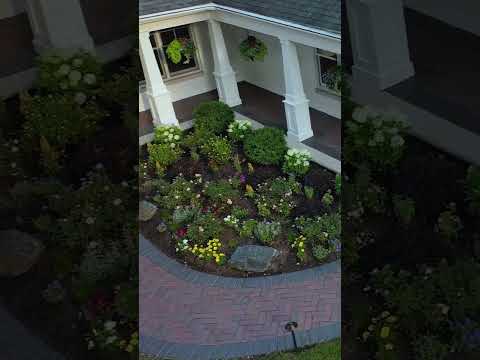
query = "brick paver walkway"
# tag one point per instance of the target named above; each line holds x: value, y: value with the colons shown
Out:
x: 185, y: 314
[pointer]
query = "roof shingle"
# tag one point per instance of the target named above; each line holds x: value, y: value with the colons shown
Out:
x: 318, y: 14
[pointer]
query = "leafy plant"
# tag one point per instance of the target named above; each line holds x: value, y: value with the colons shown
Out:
x: 213, y: 117
x: 253, y: 49
x: 221, y: 191
x: 338, y: 184
x: 473, y: 189
x: 404, y: 208
x: 205, y: 227
x: 309, y: 192
x: 182, y: 48
x: 218, y: 150
x: 266, y: 232
x: 275, y: 198
x: 327, y: 198
x: 449, y: 223
x: 58, y: 118
x: 162, y: 156
x: 320, y: 252
x: 167, y: 134
x: 266, y: 146
x: 248, y: 227
x: 50, y: 157
x: 297, y: 162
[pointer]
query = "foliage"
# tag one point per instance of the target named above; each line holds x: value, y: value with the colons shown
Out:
x: 213, y: 117
x: 430, y: 348
x: 50, y: 157
x: 218, y: 150
x: 266, y: 232
x: 275, y: 198
x: 205, y: 227
x: 327, y: 198
x: 239, y: 129
x: 338, y: 184
x: 299, y: 244
x: 473, y: 189
x: 253, y: 49
x: 248, y: 228
x: 320, y: 252
x: 162, y: 156
x: 58, y: 118
x: 180, y: 192
x: 309, y: 192
x: 266, y: 146
x: 297, y: 162
x: 221, y: 192
x: 404, y: 208
x: 375, y: 137
x: 182, y: 48
x: 184, y: 214
x: 210, y: 252
x: 196, y: 139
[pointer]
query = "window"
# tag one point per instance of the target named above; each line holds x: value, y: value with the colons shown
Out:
x: 160, y: 41
x: 328, y: 70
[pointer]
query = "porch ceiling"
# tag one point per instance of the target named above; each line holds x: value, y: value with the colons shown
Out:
x: 318, y: 14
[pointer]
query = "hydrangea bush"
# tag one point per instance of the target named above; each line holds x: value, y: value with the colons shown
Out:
x: 239, y: 129
x: 168, y: 134
x: 297, y: 162
x: 375, y: 137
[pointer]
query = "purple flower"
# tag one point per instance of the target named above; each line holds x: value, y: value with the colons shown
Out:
x: 243, y: 179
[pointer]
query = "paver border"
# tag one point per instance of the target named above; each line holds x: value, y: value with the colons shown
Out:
x: 186, y: 273
x: 185, y: 351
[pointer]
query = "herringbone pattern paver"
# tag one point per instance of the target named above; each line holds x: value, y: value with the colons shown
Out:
x: 177, y: 311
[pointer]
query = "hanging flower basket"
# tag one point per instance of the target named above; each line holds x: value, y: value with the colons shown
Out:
x: 253, y: 49
x: 181, y: 48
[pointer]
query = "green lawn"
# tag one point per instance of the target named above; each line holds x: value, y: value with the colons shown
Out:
x: 326, y: 351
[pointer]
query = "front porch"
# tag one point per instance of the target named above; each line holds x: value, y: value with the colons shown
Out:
x: 266, y: 108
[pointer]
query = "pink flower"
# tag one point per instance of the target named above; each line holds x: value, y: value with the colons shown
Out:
x: 182, y: 232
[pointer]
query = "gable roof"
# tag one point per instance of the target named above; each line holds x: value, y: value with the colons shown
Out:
x: 318, y: 14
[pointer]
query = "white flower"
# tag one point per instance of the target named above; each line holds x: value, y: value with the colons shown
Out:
x: 177, y: 137
x: 77, y: 62
x: 80, y: 98
x: 306, y: 163
x: 185, y: 241
x: 117, y: 202
x: 90, y: 220
x: 172, y: 145
x: 90, y: 79
x: 110, y: 325
x: 397, y: 141
x: 64, y: 69
x: 110, y: 339
x: 75, y: 76
x: 290, y: 152
x: 229, y: 202
x: 230, y: 130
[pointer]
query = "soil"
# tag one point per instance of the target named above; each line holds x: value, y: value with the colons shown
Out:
x: 318, y: 177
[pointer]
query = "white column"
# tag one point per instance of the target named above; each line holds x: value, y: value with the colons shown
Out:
x: 296, y: 103
x: 59, y: 24
x: 159, y: 98
x: 379, y: 43
x: 224, y: 75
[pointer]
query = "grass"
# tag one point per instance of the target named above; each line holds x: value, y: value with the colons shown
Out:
x: 331, y: 350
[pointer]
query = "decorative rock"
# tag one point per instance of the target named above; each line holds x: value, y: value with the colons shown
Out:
x: 18, y: 252
x: 162, y: 227
x: 253, y: 258
x: 146, y: 210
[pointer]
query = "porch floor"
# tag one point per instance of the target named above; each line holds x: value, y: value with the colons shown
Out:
x: 267, y: 108
x: 446, y: 76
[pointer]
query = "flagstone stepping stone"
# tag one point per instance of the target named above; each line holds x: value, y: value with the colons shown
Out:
x: 162, y: 227
x: 18, y: 252
x: 253, y: 258
x: 146, y: 210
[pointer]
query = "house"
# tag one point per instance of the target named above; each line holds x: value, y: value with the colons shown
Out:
x: 293, y: 87
x: 423, y: 61
x: 30, y: 27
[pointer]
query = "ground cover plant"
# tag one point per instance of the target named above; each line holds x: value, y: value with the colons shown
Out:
x: 222, y: 186
x: 411, y: 245
x: 70, y: 184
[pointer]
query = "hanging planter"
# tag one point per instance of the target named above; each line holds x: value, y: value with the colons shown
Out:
x: 181, y: 48
x: 253, y: 49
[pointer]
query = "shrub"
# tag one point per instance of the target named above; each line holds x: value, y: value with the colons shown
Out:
x: 327, y: 198
x: 213, y: 117
x: 218, y: 150
x: 265, y: 146
x: 58, y: 118
x: 163, y: 155
x: 168, y: 134
x: 248, y: 228
x: 266, y: 232
x: 473, y: 189
x: 297, y: 162
x: 196, y: 139
x: 239, y: 129
x: 320, y: 252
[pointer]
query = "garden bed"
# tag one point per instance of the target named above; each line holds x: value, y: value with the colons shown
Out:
x: 411, y: 246
x: 238, y: 200
x: 70, y: 185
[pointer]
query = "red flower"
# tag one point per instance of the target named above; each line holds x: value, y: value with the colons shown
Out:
x: 182, y: 232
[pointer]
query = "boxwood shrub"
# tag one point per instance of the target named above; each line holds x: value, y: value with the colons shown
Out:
x: 213, y: 117
x: 266, y: 146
